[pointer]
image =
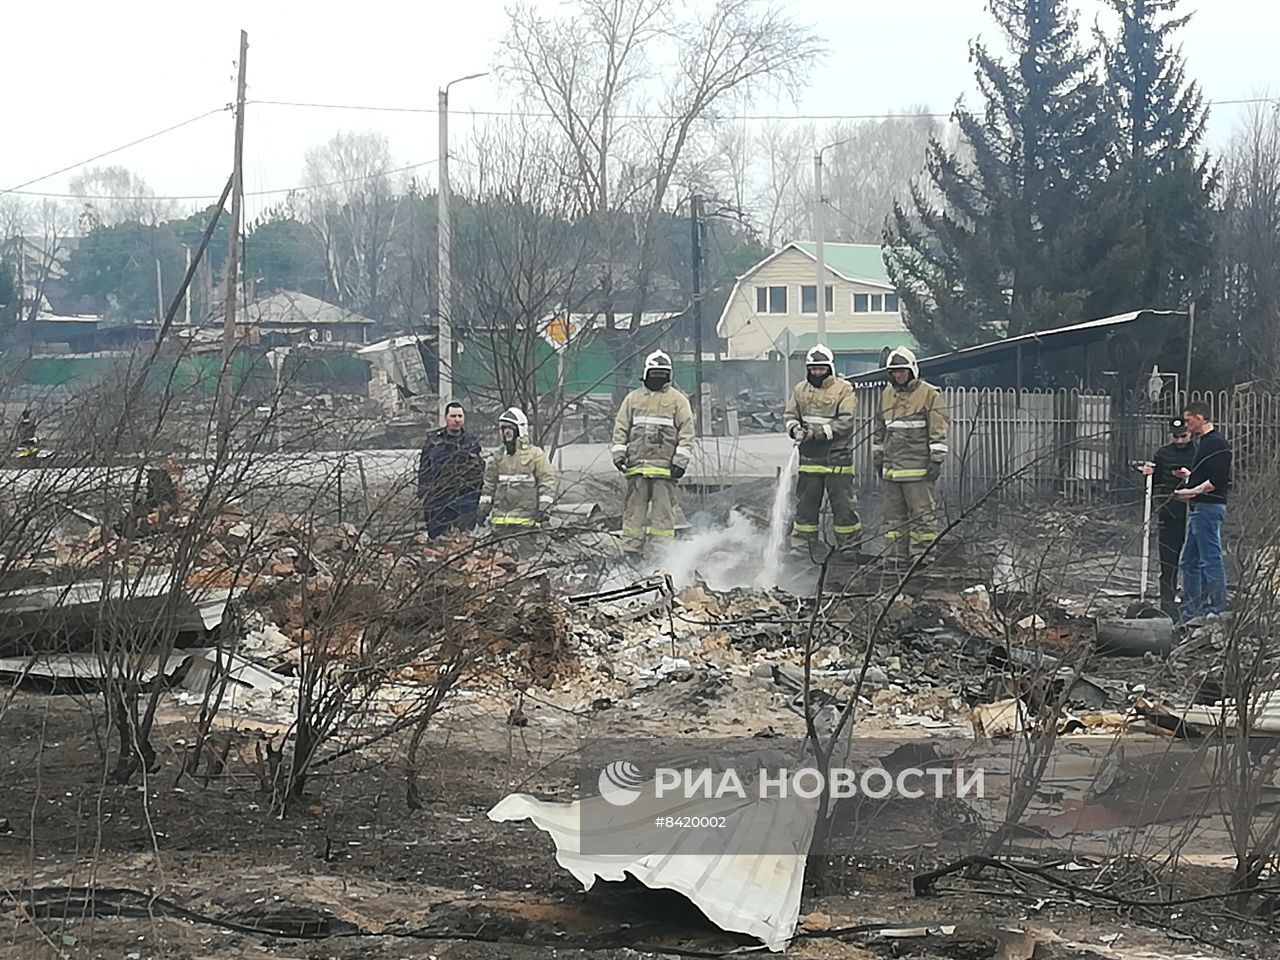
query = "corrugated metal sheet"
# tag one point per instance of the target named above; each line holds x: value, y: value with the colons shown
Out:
x: 719, y: 870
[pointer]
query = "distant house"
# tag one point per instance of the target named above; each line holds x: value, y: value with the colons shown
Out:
x: 38, y: 271
x: 301, y: 318
x: 286, y: 318
x: 774, y: 306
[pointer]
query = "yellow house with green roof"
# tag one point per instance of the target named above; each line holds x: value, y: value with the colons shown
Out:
x: 773, y: 307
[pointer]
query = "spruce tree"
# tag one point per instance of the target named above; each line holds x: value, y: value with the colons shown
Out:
x: 998, y: 231
x: 1160, y: 117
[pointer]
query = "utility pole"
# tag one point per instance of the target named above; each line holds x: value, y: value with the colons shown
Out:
x: 695, y: 236
x: 226, y: 383
x: 444, y: 347
x: 820, y: 291
x: 186, y: 295
x: 444, y: 261
x: 159, y: 293
x: 1191, y: 340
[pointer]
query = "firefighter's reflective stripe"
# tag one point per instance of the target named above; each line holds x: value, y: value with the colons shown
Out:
x: 513, y: 522
x: 633, y: 532
x: 923, y: 537
x: 819, y: 468
x: 655, y: 427
x: 645, y: 470
x: 938, y: 448
x: 823, y: 422
x: 893, y: 535
x: 649, y: 420
x: 905, y: 474
x: 516, y: 484
x: 805, y: 528
x: 659, y: 532
x: 852, y: 528
x: 919, y: 423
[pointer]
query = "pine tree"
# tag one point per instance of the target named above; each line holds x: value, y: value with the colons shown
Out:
x: 998, y: 233
x: 1161, y: 120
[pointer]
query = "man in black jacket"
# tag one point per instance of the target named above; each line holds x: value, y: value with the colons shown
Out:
x: 1165, y: 468
x: 1204, y: 574
x: 450, y: 474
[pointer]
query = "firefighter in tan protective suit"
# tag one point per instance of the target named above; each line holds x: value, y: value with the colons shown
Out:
x: 652, y: 440
x: 519, y: 485
x: 909, y: 448
x: 819, y: 417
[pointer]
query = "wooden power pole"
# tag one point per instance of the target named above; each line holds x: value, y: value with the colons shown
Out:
x: 226, y: 383
x: 695, y: 256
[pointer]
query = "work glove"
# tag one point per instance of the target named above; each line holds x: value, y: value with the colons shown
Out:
x: 933, y: 471
x: 796, y: 432
x: 677, y: 471
x: 621, y: 464
x: 544, y: 516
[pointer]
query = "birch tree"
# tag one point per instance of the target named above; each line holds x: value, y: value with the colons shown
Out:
x: 111, y: 195
x: 353, y: 209
x: 630, y: 85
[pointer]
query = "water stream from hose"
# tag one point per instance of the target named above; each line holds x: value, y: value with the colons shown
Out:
x: 780, y: 514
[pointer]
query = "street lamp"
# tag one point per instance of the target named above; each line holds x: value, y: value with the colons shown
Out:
x: 820, y: 291
x: 444, y: 264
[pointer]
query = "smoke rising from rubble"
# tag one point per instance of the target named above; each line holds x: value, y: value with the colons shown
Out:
x: 724, y: 557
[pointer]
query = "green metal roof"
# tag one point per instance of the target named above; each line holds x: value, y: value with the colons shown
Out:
x: 857, y: 261
x: 868, y: 343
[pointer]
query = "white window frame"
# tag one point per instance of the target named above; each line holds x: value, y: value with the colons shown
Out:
x: 768, y: 288
x: 871, y: 303
x: 831, y: 300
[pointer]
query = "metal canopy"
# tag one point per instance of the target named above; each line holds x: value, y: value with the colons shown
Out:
x: 1009, y: 348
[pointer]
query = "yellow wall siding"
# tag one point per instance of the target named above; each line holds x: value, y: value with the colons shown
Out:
x: 751, y: 335
x: 758, y: 336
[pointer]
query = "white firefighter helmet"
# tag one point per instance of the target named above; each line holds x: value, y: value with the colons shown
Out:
x: 514, y: 417
x: 903, y: 359
x: 820, y: 355
x: 657, y: 361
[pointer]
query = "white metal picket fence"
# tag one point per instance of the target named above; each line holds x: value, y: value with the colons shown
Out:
x: 1073, y: 444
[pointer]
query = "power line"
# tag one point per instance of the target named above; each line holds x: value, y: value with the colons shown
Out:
x: 18, y: 191
x: 546, y: 115
x: 126, y: 146
x: 214, y: 196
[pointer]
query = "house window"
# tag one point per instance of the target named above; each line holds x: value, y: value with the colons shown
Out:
x: 809, y: 299
x: 771, y: 299
x: 877, y: 303
x: 860, y: 303
x: 890, y: 303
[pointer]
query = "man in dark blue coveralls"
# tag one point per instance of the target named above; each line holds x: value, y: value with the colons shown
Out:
x: 450, y: 474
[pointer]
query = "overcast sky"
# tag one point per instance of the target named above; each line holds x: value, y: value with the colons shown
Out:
x: 87, y: 76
